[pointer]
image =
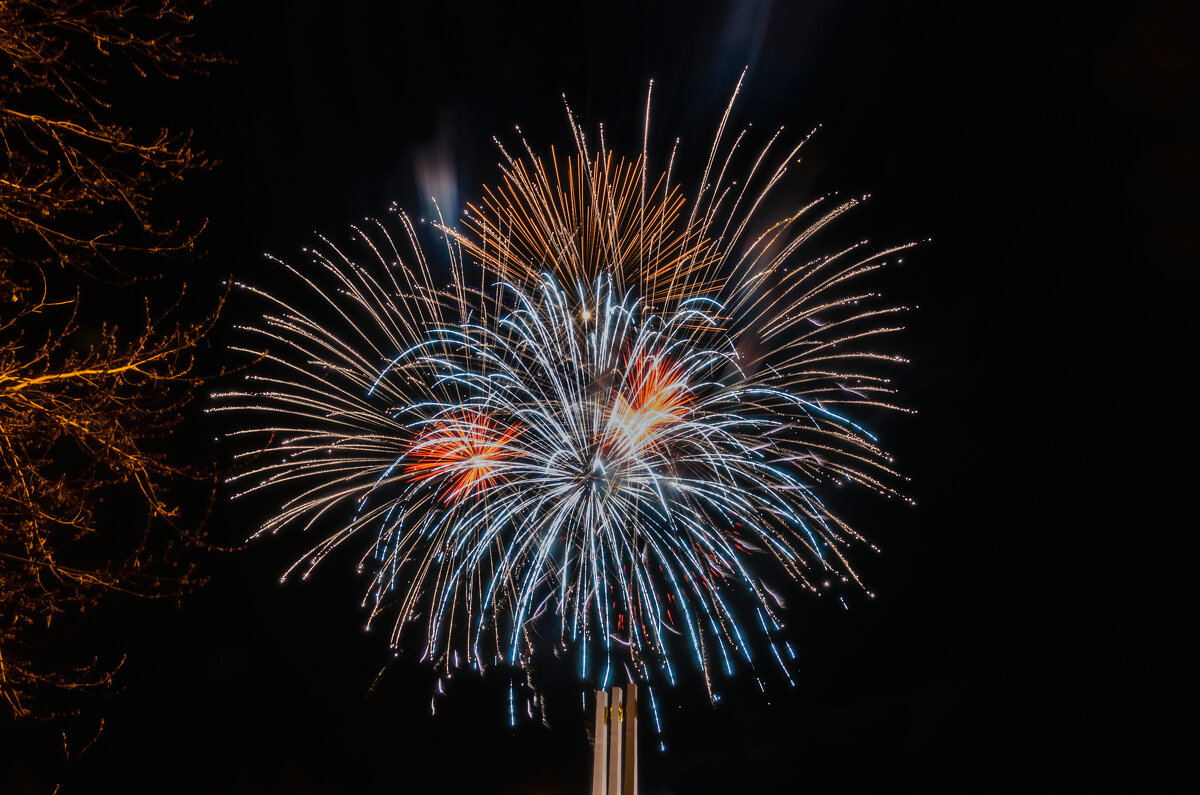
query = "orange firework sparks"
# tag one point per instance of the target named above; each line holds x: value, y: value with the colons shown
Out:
x: 549, y: 212
x: 622, y: 395
x: 659, y: 396
x: 465, y: 448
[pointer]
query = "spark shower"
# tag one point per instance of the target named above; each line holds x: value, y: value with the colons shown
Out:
x: 616, y: 415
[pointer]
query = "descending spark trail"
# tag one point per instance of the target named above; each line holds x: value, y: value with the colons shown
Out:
x: 621, y: 422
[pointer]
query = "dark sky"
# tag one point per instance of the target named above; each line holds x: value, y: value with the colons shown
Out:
x: 1033, y: 611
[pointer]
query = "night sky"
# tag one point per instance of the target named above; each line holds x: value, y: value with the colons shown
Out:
x: 1033, y: 611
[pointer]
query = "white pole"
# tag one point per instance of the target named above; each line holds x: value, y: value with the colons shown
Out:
x: 631, y: 745
x: 600, y: 744
x: 616, y: 715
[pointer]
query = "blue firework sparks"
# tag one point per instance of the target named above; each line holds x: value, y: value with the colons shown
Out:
x: 602, y: 447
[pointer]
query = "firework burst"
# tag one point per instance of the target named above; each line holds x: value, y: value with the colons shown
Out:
x: 603, y: 441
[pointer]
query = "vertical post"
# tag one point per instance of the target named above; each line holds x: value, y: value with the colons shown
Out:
x: 615, y: 756
x: 600, y: 753
x: 616, y: 716
x: 631, y: 745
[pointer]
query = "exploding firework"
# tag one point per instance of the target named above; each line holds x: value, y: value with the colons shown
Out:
x: 598, y: 432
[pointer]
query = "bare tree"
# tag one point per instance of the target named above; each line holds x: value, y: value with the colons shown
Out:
x: 79, y: 420
x: 77, y: 185
x: 84, y: 406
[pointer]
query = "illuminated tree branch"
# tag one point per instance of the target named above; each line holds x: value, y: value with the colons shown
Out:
x: 77, y: 186
x: 86, y: 408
